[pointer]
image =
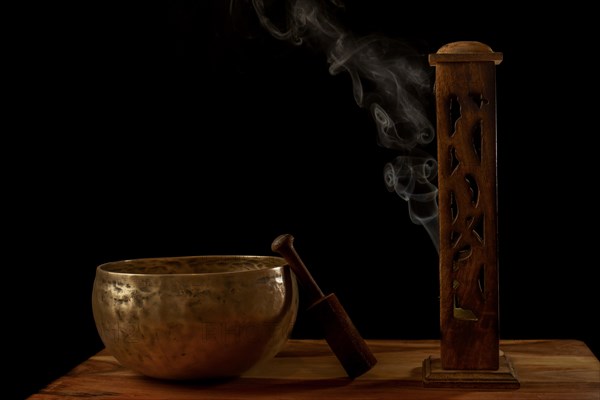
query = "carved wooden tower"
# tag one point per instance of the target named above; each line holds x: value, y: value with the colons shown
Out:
x: 466, y: 137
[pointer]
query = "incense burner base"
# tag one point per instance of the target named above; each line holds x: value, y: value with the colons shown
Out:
x: 434, y: 376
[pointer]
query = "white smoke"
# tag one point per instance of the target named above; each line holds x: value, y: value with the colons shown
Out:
x: 390, y: 80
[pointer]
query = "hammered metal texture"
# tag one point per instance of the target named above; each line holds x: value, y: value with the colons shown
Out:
x: 196, y: 317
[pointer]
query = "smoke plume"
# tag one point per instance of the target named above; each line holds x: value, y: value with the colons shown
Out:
x: 388, y: 79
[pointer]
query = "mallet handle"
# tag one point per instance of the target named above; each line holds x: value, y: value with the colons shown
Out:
x: 284, y: 245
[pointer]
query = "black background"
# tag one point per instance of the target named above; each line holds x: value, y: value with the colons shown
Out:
x: 142, y: 131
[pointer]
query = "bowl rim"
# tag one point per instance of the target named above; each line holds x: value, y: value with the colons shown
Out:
x: 102, y: 267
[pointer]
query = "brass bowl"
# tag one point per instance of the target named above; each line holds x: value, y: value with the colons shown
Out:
x: 195, y: 317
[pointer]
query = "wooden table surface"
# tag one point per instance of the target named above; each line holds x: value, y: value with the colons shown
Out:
x: 307, y: 369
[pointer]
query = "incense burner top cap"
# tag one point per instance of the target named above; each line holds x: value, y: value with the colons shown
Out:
x: 465, y: 47
x: 465, y: 51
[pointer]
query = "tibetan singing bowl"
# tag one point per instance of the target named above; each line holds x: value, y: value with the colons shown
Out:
x: 196, y: 317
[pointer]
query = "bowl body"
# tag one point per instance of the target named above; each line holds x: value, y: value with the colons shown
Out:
x: 194, y: 317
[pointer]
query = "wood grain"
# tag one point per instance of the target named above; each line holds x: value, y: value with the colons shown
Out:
x: 466, y: 125
x: 307, y: 369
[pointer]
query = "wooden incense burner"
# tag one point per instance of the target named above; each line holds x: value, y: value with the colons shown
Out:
x: 466, y: 138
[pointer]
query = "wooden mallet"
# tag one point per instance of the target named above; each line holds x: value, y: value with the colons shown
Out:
x: 340, y: 333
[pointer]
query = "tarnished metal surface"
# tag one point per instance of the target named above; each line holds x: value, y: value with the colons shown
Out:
x: 194, y: 317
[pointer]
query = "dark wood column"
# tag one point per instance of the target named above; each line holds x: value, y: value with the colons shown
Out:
x: 465, y: 91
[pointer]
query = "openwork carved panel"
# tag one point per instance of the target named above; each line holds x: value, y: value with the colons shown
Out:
x: 466, y: 128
